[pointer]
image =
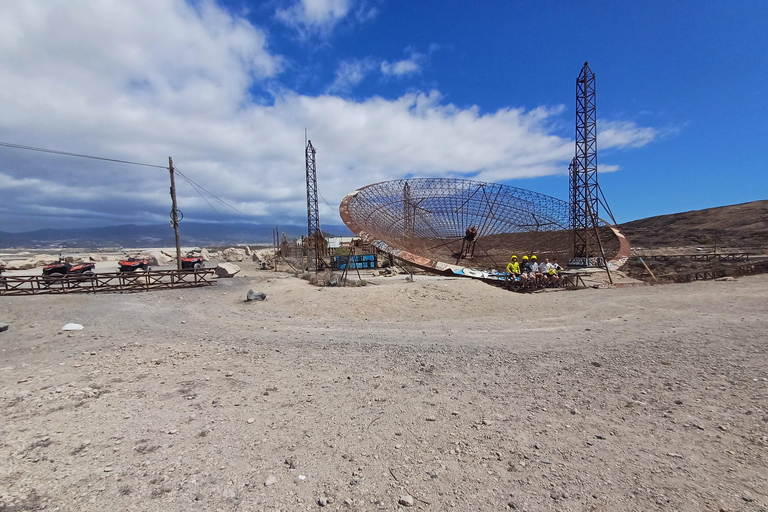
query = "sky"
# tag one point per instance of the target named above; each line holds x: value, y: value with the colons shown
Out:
x: 384, y: 89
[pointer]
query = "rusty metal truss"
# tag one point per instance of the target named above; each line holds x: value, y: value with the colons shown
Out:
x: 425, y: 221
x: 106, y: 282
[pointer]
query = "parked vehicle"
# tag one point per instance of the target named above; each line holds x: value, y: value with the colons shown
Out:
x: 131, y: 264
x: 62, y: 268
x: 192, y: 263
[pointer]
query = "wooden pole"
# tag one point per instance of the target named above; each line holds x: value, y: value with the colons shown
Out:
x: 175, y: 214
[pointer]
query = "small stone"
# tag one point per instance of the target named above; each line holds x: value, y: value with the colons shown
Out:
x: 675, y: 455
x: 3, y: 326
x: 406, y: 500
x: 250, y: 420
x: 431, y: 418
x: 72, y: 327
x: 348, y: 502
x: 271, y: 479
x: 322, y: 502
x: 299, y: 479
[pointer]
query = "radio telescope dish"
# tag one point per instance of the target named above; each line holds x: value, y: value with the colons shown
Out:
x: 428, y: 221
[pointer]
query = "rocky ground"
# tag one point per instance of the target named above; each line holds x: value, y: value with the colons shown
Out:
x: 435, y: 394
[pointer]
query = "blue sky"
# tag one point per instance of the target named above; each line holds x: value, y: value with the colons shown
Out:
x: 386, y: 90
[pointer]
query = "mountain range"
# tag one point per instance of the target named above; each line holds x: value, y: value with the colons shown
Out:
x: 160, y: 235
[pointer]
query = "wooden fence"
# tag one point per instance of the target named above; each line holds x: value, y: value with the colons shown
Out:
x: 106, y: 282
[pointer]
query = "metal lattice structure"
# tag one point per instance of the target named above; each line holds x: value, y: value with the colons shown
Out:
x: 583, y: 170
x: 425, y: 221
x: 314, y: 235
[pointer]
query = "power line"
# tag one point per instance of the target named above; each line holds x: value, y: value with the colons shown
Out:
x: 78, y: 155
x: 326, y: 202
x: 197, y: 187
x: 192, y: 182
x: 200, y: 194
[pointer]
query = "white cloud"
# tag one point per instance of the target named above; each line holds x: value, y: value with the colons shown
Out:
x: 402, y: 67
x: 349, y: 74
x: 624, y: 134
x: 317, y: 17
x: 172, y: 79
x: 408, y: 66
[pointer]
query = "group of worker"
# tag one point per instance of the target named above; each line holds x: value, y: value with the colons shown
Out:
x: 530, y: 273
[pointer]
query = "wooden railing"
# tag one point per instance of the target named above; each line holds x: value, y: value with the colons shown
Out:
x: 106, y: 282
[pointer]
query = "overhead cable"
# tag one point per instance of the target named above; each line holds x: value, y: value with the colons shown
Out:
x: 78, y: 155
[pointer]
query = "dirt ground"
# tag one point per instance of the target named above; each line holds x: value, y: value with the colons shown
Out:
x: 437, y: 394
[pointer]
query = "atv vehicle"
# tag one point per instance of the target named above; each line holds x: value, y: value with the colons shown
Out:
x: 132, y: 264
x: 192, y: 263
x: 62, y: 268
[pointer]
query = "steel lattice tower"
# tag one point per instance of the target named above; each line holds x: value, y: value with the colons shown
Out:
x: 583, y: 170
x: 313, y: 214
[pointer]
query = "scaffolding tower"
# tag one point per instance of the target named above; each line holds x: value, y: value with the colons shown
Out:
x: 584, y: 189
x: 314, y: 235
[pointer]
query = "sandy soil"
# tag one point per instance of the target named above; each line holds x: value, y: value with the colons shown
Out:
x: 443, y: 393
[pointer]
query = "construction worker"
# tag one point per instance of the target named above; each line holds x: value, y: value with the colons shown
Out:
x: 513, y: 267
x: 554, y: 273
x: 544, y: 270
x: 525, y: 269
x: 535, y: 272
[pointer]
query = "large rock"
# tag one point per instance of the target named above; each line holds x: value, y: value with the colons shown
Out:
x: 205, y: 254
x: 34, y: 262
x: 226, y: 270
x: 252, y: 295
x: 231, y: 254
x: 159, y: 258
x: 247, y: 250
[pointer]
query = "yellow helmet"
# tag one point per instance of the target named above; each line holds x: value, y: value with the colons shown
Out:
x: 525, y: 257
x: 514, y: 257
x: 533, y: 257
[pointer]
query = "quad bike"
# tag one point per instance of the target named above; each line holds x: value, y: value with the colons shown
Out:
x: 132, y: 264
x: 192, y: 263
x: 60, y: 269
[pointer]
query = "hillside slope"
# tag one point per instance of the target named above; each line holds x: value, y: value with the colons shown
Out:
x: 740, y: 227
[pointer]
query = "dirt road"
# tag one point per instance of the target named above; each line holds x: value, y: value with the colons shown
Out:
x: 433, y: 395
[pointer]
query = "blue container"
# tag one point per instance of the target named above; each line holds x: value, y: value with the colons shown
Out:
x: 367, y: 261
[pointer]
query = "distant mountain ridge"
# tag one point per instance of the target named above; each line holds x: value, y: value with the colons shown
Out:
x: 158, y: 235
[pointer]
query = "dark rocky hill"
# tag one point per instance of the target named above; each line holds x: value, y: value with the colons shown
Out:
x: 738, y: 227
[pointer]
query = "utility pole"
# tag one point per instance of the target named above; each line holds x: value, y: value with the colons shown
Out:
x: 175, y: 214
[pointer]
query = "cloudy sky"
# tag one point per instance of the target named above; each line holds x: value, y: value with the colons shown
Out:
x: 385, y: 90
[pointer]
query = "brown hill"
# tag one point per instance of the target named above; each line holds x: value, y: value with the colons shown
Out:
x: 739, y: 227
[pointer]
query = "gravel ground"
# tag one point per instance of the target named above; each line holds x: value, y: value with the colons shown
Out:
x: 436, y: 394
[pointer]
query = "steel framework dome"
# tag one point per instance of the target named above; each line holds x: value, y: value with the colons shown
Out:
x: 426, y: 220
